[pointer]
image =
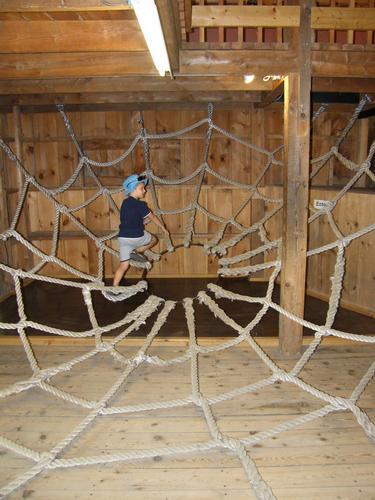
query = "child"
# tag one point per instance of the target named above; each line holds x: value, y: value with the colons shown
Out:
x: 132, y: 235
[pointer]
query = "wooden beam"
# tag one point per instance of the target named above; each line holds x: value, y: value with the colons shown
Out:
x: 18, y: 143
x: 133, y: 106
x: 360, y: 85
x: 24, y: 221
x: 129, y: 97
x: 282, y: 17
x: 346, y: 18
x: 343, y: 63
x: 188, y: 14
x: 58, y: 6
x: 170, y: 23
x: 270, y: 97
x: 69, y: 36
x: 77, y: 64
x: 258, y: 62
x: 248, y: 15
x: 296, y: 191
x: 113, y: 85
x: 6, y: 282
x: 355, y: 62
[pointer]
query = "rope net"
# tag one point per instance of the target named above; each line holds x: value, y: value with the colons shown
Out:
x: 270, y: 250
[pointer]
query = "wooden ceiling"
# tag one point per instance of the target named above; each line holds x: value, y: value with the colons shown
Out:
x: 85, y: 52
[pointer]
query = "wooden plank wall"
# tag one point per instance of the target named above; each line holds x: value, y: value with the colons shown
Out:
x: 49, y: 154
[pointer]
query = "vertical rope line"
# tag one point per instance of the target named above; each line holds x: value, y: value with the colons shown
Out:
x: 20, y: 205
x: 189, y: 314
x: 149, y: 173
x: 21, y: 329
x: 189, y: 229
x: 56, y: 230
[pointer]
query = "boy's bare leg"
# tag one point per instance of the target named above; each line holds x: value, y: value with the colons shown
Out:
x: 152, y: 243
x: 120, y: 271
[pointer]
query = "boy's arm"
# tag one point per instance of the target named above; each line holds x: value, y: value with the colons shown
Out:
x: 153, y: 218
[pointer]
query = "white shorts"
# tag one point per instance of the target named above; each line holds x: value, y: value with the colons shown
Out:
x: 127, y: 245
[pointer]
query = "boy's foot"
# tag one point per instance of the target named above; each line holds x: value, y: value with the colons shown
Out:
x: 137, y: 257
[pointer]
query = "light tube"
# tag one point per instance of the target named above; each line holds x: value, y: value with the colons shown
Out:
x: 149, y: 21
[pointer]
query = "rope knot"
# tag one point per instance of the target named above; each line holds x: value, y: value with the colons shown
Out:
x: 63, y: 209
x: 279, y: 374
x: 230, y: 443
x: 5, y: 235
x: 138, y: 360
x: 23, y: 323
x: 319, y: 335
x: 45, y: 458
x: 197, y: 399
x: 345, y: 242
x: 104, y: 347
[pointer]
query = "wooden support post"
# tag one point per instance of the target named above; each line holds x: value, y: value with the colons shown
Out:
x: 5, y: 247
x: 295, y: 193
x: 24, y: 223
x: 18, y: 143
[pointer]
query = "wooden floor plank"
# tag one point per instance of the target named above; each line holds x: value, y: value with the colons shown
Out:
x: 345, y: 493
x: 326, y: 458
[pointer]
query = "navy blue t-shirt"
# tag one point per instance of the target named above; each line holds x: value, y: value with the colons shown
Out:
x: 132, y: 214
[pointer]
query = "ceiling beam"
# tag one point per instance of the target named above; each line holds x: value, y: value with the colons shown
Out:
x: 258, y: 62
x: 129, y: 84
x: 202, y: 63
x: 70, y: 36
x: 343, y: 85
x: 282, y: 17
x: 131, y: 106
x: 231, y: 83
x: 332, y: 63
x: 270, y: 97
x: 58, y: 6
x: 343, y: 63
x: 170, y: 22
x: 130, y: 97
x: 75, y: 64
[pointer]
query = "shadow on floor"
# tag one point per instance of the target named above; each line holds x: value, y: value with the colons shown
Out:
x: 63, y: 307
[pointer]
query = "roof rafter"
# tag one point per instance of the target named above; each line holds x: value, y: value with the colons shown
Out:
x: 58, y: 6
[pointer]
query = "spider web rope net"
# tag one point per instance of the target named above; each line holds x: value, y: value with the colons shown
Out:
x: 42, y: 378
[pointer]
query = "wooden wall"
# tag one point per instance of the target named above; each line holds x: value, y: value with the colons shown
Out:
x: 49, y: 154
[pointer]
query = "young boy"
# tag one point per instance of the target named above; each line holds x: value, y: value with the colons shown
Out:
x: 132, y: 235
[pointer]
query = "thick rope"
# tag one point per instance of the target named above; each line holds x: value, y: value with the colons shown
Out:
x: 41, y: 378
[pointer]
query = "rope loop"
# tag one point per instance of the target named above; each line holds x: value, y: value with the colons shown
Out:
x: 89, y: 285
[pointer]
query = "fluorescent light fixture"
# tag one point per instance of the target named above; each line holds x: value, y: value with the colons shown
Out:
x: 149, y: 21
x: 248, y: 78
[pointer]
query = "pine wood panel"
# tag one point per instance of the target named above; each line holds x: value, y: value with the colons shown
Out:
x: 50, y: 155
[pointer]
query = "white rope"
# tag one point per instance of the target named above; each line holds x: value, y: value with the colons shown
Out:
x: 41, y: 378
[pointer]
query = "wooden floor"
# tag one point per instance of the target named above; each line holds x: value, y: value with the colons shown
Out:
x: 57, y: 306
x: 328, y: 458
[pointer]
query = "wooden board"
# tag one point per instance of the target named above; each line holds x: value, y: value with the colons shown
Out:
x: 323, y: 458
